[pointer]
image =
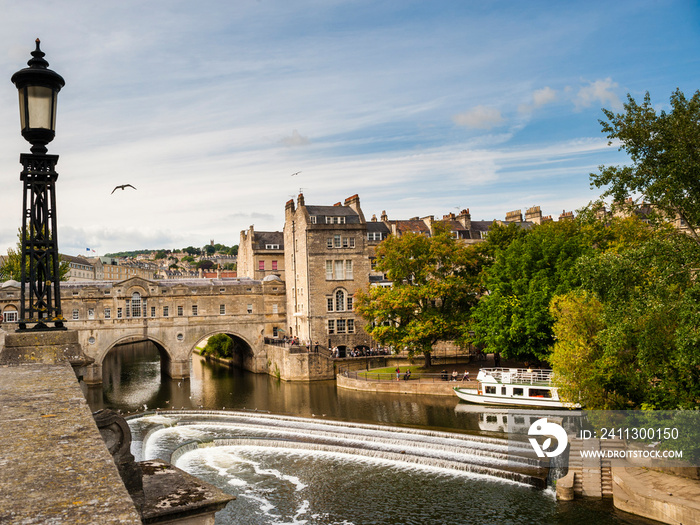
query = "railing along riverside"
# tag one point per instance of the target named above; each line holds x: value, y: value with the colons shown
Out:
x: 368, y: 375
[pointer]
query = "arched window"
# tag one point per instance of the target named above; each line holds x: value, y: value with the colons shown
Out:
x: 339, y: 301
x: 135, y: 304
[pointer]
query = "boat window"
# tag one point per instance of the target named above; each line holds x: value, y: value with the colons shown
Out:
x: 503, y: 391
x: 540, y: 392
x: 517, y: 391
x: 490, y: 389
x: 491, y: 419
x: 519, y: 420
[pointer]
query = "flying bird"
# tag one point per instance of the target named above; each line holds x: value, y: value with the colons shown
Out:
x: 122, y: 187
x: 297, y: 173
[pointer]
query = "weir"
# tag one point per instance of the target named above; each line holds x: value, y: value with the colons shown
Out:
x: 467, y: 453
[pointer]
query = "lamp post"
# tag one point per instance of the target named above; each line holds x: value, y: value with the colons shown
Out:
x: 38, y: 89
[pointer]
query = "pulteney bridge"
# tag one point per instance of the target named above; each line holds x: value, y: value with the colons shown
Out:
x: 175, y: 315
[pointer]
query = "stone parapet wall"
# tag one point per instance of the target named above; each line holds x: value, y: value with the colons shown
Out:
x: 433, y: 388
x: 55, y: 465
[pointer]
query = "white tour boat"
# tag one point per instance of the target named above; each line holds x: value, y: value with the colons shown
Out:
x: 513, y: 386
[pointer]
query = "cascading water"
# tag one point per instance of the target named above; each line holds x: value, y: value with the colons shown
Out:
x: 299, y: 470
x: 311, y: 470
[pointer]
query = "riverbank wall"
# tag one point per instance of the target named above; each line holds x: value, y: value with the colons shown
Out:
x: 411, y: 386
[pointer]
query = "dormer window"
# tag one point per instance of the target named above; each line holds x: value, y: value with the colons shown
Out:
x: 313, y: 219
x: 272, y: 246
x: 335, y: 220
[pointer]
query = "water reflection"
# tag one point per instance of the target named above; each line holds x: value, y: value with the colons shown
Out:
x: 132, y: 379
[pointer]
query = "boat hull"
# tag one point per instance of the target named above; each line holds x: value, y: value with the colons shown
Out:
x: 473, y: 396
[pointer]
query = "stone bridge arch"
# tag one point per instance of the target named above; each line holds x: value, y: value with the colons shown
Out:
x: 176, y: 340
x: 243, y: 351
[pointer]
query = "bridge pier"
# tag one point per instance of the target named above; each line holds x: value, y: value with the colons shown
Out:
x: 93, y: 375
x: 175, y: 369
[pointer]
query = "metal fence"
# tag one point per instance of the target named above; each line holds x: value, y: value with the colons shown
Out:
x: 369, y: 375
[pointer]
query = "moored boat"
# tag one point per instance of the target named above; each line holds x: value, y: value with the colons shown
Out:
x: 514, y: 386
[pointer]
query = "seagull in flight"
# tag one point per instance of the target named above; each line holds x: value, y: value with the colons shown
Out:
x: 297, y: 173
x: 122, y: 187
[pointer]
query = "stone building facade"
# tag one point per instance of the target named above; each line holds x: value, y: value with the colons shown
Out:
x: 327, y: 262
x: 260, y: 254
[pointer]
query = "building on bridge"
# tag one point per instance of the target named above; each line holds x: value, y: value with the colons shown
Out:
x: 260, y: 254
x: 174, y: 315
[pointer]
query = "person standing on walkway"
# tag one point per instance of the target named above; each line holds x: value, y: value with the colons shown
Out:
x: 398, y: 373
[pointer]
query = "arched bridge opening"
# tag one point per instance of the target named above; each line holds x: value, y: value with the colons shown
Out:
x: 229, y: 347
x: 133, y: 370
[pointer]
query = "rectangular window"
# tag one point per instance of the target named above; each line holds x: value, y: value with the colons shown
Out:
x: 180, y: 311
x: 75, y: 315
x: 194, y: 309
x: 336, y: 241
x: 348, y: 269
x: 313, y: 219
x: 166, y: 311
x: 329, y: 242
x: 261, y: 265
x: 10, y: 316
x: 348, y: 242
x: 275, y: 309
x: 329, y: 304
x: 274, y: 265
x: 119, y: 313
x: 128, y: 307
x: 272, y: 246
x: 275, y: 331
x: 349, y: 303
x: 91, y: 313
x: 108, y: 313
x: 153, y: 311
x: 331, y: 326
x: 351, y: 326
x: 339, y: 270
x: 329, y: 270
x: 340, y: 326
x: 222, y: 309
x: 490, y: 389
x: 249, y: 308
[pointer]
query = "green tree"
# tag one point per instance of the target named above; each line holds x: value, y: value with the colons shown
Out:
x: 160, y: 254
x: 434, y: 287
x: 513, y: 318
x: 209, y: 249
x: 12, y: 265
x: 645, y: 349
x: 665, y: 152
x: 219, y: 345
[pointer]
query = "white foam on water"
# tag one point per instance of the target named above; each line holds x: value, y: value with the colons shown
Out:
x: 353, y: 458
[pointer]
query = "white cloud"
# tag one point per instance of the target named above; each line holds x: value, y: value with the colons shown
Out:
x: 479, y: 117
x: 543, y: 96
x: 598, y: 92
x: 540, y: 97
x: 295, y: 139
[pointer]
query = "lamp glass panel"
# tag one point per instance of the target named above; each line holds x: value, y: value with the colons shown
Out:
x: 22, y: 108
x: 40, y: 102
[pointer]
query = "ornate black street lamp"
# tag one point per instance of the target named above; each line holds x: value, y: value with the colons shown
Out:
x: 38, y: 92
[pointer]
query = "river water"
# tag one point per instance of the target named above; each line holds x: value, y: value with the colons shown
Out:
x: 309, y: 453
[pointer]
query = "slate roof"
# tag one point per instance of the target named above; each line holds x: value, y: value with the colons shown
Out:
x: 351, y: 216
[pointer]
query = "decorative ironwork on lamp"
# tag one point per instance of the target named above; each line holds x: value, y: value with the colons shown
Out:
x: 38, y: 89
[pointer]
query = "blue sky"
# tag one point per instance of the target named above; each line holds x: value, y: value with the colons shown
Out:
x: 421, y: 108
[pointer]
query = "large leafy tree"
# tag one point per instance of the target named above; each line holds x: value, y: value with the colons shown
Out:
x: 631, y: 338
x: 434, y: 287
x: 665, y: 152
x: 513, y: 317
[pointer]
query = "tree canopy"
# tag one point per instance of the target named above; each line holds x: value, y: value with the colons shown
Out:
x: 434, y: 287
x: 629, y: 337
x: 665, y: 152
x: 525, y: 271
